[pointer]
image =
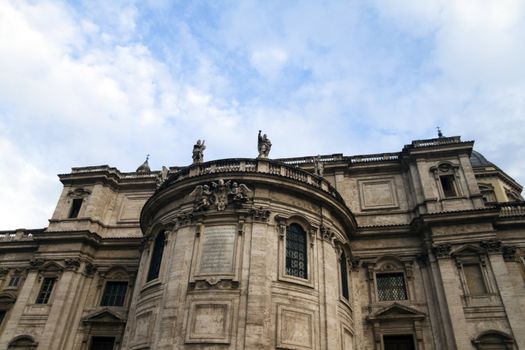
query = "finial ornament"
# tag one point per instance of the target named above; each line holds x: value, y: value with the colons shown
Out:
x: 263, y: 145
x: 198, y: 152
x: 440, y: 134
x: 144, y: 167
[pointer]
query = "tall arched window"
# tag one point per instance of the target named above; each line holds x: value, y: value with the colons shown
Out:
x: 344, y: 276
x: 156, y: 256
x: 296, y: 252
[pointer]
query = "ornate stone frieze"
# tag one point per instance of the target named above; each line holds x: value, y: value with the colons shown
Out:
x: 72, y: 264
x: 219, y: 194
x: 260, y: 214
x: 509, y: 253
x: 442, y: 250
x: 213, y: 283
x: 491, y: 246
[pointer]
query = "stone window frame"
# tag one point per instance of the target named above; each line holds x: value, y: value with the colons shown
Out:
x: 282, y: 227
x: 472, y: 255
x: 487, y: 192
x: 340, y: 249
x: 390, y: 265
x: 115, y: 273
x: 78, y: 193
x: 151, y: 249
x: 26, y: 340
x: 49, y: 269
x: 13, y: 273
x: 447, y: 169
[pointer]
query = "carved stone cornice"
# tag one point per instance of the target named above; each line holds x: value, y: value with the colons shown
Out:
x: 492, y: 246
x: 184, y: 219
x: 72, y: 264
x: 442, y: 251
x: 260, y: 214
x: 509, y: 253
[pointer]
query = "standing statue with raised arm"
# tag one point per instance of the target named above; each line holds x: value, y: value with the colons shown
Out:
x: 198, y: 152
x: 263, y: 145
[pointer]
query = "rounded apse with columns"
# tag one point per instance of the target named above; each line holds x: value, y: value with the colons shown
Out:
x: 243, y: 254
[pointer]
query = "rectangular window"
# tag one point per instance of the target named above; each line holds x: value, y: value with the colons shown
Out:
x: 14, y: 281
x: 398, y: 342
x: 448, y: 185
x: 45, y: 290
x: 75, y: 208
x: 114, y: 294
x: 296, y: 250
x: 2, y: 315
x: 102, y: 343
x: 391, y: 286
x: 344, y: 277
x: 474, y: 277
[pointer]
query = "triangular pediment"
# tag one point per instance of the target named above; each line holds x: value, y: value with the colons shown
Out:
x: 467, y: 250
x: 104, y: 316
x: 397, y: 311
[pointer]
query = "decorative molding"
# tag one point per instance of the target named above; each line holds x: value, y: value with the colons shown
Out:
x: 509, y: 253
x: 355, y: 264
x: 260, y: 214
x: 36, y: 263
x: 219, y: 195
x: 79, y: 193
x: 491, y: 246
x: 422, y: 260
x: 442, y: 250
x: 326, y: 234
x: 89, y: 269
x: 72, y: 264
x: 3, y: 271
x: 213, y: 283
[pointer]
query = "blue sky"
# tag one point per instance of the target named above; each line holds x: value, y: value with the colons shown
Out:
x: 107, y: 82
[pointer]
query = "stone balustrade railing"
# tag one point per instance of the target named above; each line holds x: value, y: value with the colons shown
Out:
x: 369, y: 158
x: 18, y: 235
x: 508, y: 209
x: 263, y: 166
x: 436, y: 142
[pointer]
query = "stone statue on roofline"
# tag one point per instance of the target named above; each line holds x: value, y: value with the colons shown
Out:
x: 263, y: 145
x: 198, y: 152
x: 318, y: 166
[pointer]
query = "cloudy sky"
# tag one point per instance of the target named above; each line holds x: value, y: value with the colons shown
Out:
x: 107, y: 82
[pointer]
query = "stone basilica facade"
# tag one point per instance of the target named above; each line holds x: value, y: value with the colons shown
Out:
x: 419, y: 249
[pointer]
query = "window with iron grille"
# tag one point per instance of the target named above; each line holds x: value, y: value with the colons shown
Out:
x: 114, y: 293
x: 45, y: 290
x: 14, y: 281
x: 156, y: 256
x: 344, y: 276
x: 102, y: 343
x: 391, y: 286
x: 296, y: 252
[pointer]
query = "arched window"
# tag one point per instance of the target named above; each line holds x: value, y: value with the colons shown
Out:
x: 344, y: 276
x: 156, y: 257
x: 296, y: 252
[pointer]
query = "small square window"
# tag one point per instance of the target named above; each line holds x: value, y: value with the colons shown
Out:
x: 114, y: 294
x: 75, y: 208
x: 45, y: 290
x: 391, y: 286
x: 448, y: 185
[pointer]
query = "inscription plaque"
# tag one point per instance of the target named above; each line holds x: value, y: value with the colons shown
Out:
x: 217, y: 250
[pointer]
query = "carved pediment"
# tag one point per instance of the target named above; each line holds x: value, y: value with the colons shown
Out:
x: 104, y: 316
x: 467, y: 250
x: 396, y: 311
